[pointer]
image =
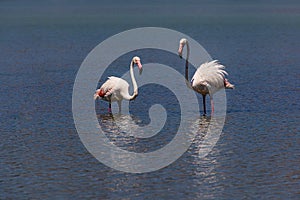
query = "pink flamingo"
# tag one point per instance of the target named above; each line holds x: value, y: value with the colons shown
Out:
x: 208, y: 78
x: 117, y: 89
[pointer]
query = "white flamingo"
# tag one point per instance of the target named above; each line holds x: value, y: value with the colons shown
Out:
x: 117, y: 89
x: 208, y: 78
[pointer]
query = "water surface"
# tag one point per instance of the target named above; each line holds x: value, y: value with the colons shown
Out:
x: 43, y: 46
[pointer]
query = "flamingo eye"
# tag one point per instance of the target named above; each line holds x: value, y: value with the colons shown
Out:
x: 192, y: 81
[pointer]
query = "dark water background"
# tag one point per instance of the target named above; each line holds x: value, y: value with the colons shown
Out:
x: 42, y: 45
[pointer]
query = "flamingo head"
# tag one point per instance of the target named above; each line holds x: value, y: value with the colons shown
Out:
x: 136, y: 60
x: 200, y: 86
x: 182, y: 42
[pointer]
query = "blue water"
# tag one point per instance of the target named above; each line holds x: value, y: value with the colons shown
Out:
x: 42, y: 46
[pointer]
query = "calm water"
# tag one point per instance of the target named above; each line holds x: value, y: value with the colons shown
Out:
x: 257, y: 156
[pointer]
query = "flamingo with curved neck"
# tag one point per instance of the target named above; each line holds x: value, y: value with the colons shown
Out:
x: 208, y: 78
x: 117, y: 89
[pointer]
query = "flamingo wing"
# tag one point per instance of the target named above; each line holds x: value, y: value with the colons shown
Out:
x: 108, y: 87
x: 113, y: 87
x: 210, y: 74
x: 117, y: 85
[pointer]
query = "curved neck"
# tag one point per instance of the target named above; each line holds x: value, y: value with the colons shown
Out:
x: 187, y: 61
x: 135, y: 87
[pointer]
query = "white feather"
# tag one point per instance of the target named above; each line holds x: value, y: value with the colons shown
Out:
x: 117, y: 89
x: 211, y: 75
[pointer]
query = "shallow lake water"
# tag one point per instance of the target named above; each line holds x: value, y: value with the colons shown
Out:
x: 257, y: 155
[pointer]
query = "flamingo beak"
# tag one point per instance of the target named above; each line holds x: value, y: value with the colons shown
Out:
x: 192, y: 81
x: 140, y: 66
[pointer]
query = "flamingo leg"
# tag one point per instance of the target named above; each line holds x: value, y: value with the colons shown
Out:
x: 212, y: 105
x: 204, y: 104
x: 119, y: 104
x: 109, y: 107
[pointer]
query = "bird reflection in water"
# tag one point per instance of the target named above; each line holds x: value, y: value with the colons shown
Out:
x: 205, y: 154
x: 119, y: 128
x: 208, y: 132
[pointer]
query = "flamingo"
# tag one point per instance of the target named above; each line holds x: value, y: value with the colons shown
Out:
x: 117, y: 89
x: 208, y: 78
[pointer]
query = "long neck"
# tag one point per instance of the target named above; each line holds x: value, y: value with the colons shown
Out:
x: 187, y: 61
x: 135, y: 87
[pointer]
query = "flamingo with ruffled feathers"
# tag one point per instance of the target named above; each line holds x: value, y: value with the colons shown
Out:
x: 117, y: 89
x: 208, y: 78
